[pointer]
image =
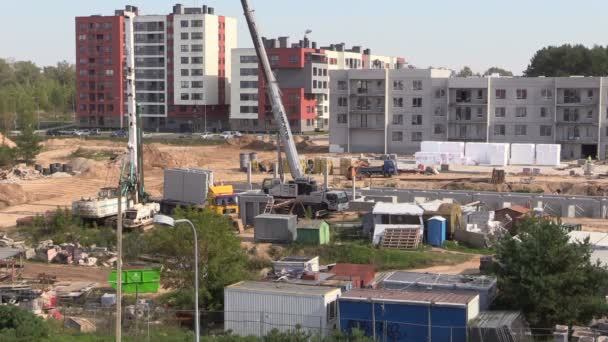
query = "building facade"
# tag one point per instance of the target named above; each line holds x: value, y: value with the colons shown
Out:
x: 302, y: 71
x: 182, y: 69
x: 392, y: 111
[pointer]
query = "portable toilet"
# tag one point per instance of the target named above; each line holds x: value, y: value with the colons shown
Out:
x: 435, y: 231
x: 313, y: 232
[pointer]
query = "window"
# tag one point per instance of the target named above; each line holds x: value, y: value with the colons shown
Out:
x: 500, y: 112
x: 249, y: 109
x: 324, y: 72
x: 197, y: 96
x: 417, y: 85
x: 82, y: 37
x: 397, y: 119
x: 520, y: 129
x: 544, y: 112
x: 342, y: 85
x: 185, y: 84
x: 314, y: 71
x: 571, y: 114
x: 293, y: 59
x: 249, y: 84
x: 342, y: 102
x: 196, y: 35
x: 547, y: 94
x: 249, y: 71
x: 572, y: 96
x: 324, y: 84
x: 109, y: 72
x: 545, y: 131
x: 397, y: 136
x: 249, y: 97
x: 590, y: 93
x: 499, y: 130
x: 274, y: 60
x: 184, y: 23
x: 249, y: 59
x: 314, y: 83
x: 341, y: 118
x: 439, y: 93
x: 439, y: 129
x: 416, y: 120
x: 185, y: 72
x: 521, y: 112
x: 397, y: 85
x: 417, y: 102
x: 196, y: 47
x: 479, y: 94
x: 184, y: 48
x: 197, y: 84
x: 184, y: 36
x: 501, y: 94
x: 184, y: 60
x: 590, y: 114
x: 196, y: 23
x: 479, y: 112
x: 439, y: 111
x: 185, y: 96
x: 521, y: 94
x: 197, y: 60
x: 416, y: 136
x: 397, y: 101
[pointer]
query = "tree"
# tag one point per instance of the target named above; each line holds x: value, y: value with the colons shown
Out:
x: 28, y: 143
x: 17, y: 324
x: 497, y: 70
x: 222, y: 261
x: 568, y: 60
x: 550, y: 279
x: 465, y: 72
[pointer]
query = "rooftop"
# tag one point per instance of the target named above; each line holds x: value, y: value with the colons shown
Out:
x: 382, y: 208
x: 6, y: 253
x: 440, y: 280
x: 282, y: 288
x: 435, y: 297
x: 342, y: 269
x: 517, y: 208
x: 310, y: 224
x: 495, y: 319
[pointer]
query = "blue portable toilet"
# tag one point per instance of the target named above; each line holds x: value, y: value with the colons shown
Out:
x: 435, y: 231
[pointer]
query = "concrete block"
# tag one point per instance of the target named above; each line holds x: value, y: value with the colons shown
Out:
x: 275, y: 228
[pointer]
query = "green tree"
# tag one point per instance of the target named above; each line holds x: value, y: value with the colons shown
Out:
x: 222, y: 261
x: 17, y: 324
x: 550, y: 279
x: 497, y: 70
x: 466, y: 72
x: 28, y: 143
x: 568, y: 60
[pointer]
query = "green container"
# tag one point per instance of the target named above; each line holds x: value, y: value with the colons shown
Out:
x: 313, y: 232
x: 137, y: 281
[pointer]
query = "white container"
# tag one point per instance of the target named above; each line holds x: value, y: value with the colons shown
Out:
x: 253, y: 308
x: 452, y: 147
x: 477, y: 153
x: 523, y: 154
x: 497, y: 154
x: 430, y: 146
x: 548, y: 154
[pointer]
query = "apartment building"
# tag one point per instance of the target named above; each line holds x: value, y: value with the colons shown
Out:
x: 391, y: 111
x: 182, y: 69
x: 302, y: 71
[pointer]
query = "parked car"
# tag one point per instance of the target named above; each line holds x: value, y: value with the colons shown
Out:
x: 52, y: 133
x: 207, y: 135
x: 95, y: 131
x: 69, y: 131
x: 119, y: 134
x: 231, y: 134
x: 82, y: 133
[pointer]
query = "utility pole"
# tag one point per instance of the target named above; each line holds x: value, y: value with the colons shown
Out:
x: 119, y: 266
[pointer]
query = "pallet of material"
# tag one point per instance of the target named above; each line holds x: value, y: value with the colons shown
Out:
x: 401, y: 238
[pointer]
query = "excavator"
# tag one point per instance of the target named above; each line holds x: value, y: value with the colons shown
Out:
x: 302, y: 190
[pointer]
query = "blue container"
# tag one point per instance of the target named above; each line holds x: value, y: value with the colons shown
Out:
x: 435, y: 231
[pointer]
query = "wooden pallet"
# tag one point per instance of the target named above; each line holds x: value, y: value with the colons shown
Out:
x: 401, y: 238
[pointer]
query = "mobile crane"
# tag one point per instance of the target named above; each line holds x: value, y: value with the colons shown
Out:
x: 302, y: 189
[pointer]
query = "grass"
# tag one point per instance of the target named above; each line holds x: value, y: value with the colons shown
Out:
x: 92, y: 154
x: 456, y: 247
x: 383, y: 259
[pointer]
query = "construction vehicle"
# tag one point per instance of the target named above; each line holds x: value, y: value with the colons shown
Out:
x: 140, y: 216
x: 387, y: 169
x: 302, y: 190
x: 104, y: 208
x: 223, y: 200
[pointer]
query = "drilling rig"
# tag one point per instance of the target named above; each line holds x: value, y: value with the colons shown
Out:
x: 301, y: 189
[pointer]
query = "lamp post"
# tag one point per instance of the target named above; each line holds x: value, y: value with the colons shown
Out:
x: 171, y: 222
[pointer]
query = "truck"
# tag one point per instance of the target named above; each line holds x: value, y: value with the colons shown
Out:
x: 140, y: 216
x: 387, y: 169
x: 223, y: 200
x: 302, y: 190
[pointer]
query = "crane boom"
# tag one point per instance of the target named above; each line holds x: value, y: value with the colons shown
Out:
x: 274, y: 94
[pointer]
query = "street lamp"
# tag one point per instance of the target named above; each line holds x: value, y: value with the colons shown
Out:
x: 171, y: 222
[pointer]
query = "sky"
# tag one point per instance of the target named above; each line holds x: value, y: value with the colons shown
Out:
x: 438, y: 33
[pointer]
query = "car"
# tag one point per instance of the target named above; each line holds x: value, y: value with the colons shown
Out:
x: 52, y: 133
x: 207, y: 135
x: 119, y: 134
x: 82, y: 133
x: 95, y: 131
x: 231, y: 134
x: 69, y: 131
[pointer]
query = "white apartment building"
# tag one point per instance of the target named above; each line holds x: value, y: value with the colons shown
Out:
x: 391, y: 111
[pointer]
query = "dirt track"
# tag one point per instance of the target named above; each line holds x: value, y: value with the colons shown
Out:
x: 67, y: 272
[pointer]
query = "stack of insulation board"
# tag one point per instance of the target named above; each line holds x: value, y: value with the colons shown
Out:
x: 440, y: 152
x: 548, y: 154
x: 493, y: 154
x: 523, y: 154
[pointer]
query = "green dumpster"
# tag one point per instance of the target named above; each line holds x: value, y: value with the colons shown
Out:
x: 137, y: 281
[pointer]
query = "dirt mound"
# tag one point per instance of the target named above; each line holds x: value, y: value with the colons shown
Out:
x: 82, y: 164
x: 307, y: 146
x: 153, y: 157
x: 6, y: 141
x: 12, y: 194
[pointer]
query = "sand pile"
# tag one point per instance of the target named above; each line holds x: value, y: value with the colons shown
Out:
x: 82, y: 164
x: 7, y: 142
x: 12, y: 194
x: 153, y: 157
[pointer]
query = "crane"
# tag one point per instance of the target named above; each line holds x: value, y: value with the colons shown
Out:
x: 302, y: 189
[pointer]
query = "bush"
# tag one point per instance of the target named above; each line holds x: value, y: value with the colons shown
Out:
x: 7, y: 156
x: 17, y: 324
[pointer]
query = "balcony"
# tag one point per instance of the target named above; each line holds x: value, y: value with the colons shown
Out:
x: 366, y: 109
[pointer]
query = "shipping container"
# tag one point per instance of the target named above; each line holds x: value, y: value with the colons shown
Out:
x: 275, y: 228
x: 253, y: 308
x: 313, y: 232
x: 251, y: 204
x: 485, y: 286
x: 296, y: 264
x: 436, y: 231
x: 408, y: 316
x: 187, y: 185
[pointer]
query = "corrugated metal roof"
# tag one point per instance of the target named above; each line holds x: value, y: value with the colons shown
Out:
x: 397, y: 209
x: 350, y: 269
x: 6, y: 253
x: 517, y: 208
x: 282, y: 288
x: 435, y: 297
x: 441, y: 280
x: 495, y: 319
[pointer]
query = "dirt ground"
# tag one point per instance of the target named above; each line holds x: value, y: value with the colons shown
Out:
x: 67, y: 272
